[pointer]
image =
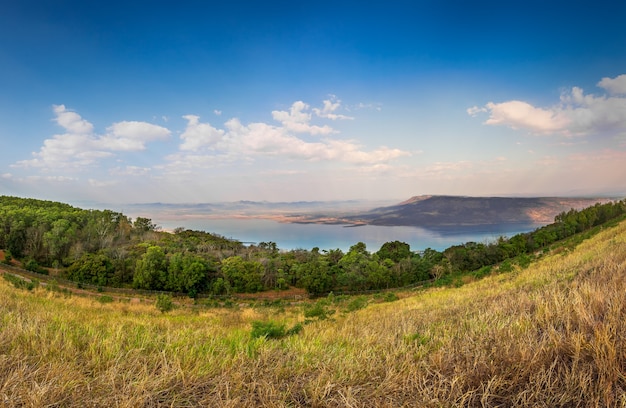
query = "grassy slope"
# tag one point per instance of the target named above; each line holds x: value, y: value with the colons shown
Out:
x: 553, y: 334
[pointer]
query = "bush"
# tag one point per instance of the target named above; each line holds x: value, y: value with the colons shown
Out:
x: 20, y: 283
x: 359, y: 302
x: 273, y: 330
x: 105, y: 299
x: 390, y: 297
x: 317, y: 311
x: 164, y: 303
x: 269, y: 329
x: 33, y: 266
x: 484, y: 271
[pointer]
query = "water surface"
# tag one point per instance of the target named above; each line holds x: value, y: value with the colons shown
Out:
x: 325, y: 237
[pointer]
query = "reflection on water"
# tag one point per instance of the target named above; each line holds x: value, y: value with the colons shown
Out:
x: 308, y: 236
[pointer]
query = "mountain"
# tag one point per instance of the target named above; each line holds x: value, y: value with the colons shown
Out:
x: 442, y: 211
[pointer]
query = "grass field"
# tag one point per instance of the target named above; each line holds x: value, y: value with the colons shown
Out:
x: 550, y: 335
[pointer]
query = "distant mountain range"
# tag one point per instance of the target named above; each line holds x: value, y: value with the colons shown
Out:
x: 441, y: 211
x: 436, y: 211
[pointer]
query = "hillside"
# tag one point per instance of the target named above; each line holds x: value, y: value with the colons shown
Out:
x: 551, y: 334
x: 441, y: 211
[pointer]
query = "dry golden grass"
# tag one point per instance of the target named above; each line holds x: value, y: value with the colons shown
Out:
x: 551, y: 335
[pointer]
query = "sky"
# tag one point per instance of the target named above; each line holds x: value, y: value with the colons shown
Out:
x: 207, y: 101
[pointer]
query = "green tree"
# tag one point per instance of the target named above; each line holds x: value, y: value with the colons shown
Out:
x: 187, y: 273
x: 151, y: 270
x: 96, y: 269
x: 396, y: 251
x: 242, y: 276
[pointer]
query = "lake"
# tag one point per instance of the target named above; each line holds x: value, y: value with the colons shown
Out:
x: 307, y: 236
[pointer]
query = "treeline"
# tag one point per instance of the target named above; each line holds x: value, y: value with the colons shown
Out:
x: 107, y: 248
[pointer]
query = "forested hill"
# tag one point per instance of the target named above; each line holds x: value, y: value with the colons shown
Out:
x: 438, y: 211
x: 107, y: 248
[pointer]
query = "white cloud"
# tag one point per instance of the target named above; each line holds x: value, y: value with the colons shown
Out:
x: 132, y: 136
x: 199, y: 135
x: 79, y: 146
x: 615, y: 85
x: 71, y: 121
x: 217, y: 112
x: 297, y: 120
x: 102, y: 183
x: 330, y: 106
x: 212, y: 146
x: 518, y: 114
x: 129, y: 171
x: 576, y: 114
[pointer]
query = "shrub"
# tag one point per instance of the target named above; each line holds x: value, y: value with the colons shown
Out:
x: 317, y: 311
x: 269, y: 329
x: 356, y: 303
x: 105, y: 299
x: 33, y: 266
x: 164, y: 303
x: 390, y: 297
x: 484, y: 271
x: 273, y: 330
x: 20, y: 283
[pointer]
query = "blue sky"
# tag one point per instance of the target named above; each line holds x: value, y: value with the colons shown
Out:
x: 201, y: 101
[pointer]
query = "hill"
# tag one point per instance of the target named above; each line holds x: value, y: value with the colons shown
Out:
x: 550, y: 334
x: 442, y: 211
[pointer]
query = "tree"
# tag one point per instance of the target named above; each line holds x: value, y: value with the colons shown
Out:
x: 242, y: 276
x: 187, y: 273
x: 396, y: 251
x: 144, y: 224
x: 59, y: 238
x: 91, y: 268
x: 151, y: 270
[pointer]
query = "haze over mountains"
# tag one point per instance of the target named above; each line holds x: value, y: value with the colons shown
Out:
x: 421, y: 211
x: 434, y: 211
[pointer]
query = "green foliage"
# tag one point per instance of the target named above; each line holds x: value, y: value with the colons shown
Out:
x: 417, y: 338
x: 273, y: 330
x: 317, y: 311
x: 106, y: 248
x: 187, y: 273
x: 242, y: 276
x: 296, y: 329
x: 164, y: 303
x: 356, y: 303
x: 482, y: 272
x: 19, y: 282
x: 396, y: 251
x: 505, y: 267
x: 33, y: 266
x: 390, y: 297
x: 95, y: 269
x: 151, y: 270
x: 268, y: 329
x: 105, y: 299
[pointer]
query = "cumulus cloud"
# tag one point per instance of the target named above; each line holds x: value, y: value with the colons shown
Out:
x: 518, y: 114
x: 132, y: 136
x: 297, y: 120
x: 206, y: 146
x: 576, y: 113
x: 330, y: 106
x: 80, y: 146
x: 71, y: 121
x: 615, y: 85
x: 198, y: 135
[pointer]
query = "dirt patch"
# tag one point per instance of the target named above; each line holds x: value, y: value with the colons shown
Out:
x: 291, y: 293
